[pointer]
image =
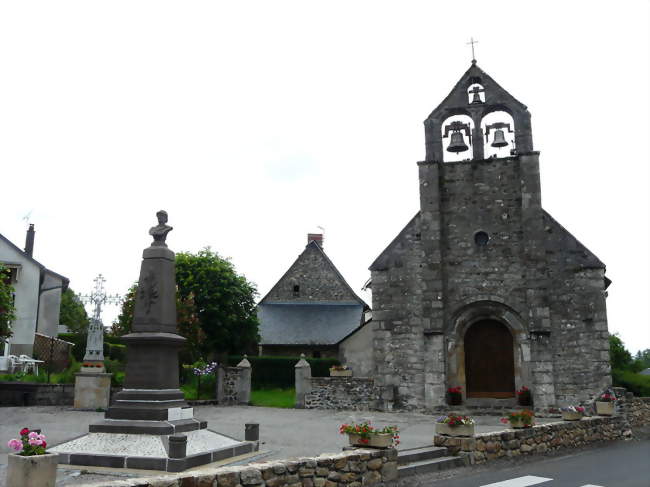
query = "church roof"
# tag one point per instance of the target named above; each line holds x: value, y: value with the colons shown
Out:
x: 383, y: 261
x: 574, y: 253
x: 559, y: 239
x: 308, y: 323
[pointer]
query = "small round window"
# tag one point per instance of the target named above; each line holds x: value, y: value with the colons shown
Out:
x: 481, y: 238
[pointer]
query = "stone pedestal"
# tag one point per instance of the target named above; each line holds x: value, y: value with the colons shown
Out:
x: 92, y: 390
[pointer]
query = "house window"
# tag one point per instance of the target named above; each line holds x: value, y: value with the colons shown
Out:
x: 296, y: 290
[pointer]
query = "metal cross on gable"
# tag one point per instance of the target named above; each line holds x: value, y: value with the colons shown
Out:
x: 472, y: 42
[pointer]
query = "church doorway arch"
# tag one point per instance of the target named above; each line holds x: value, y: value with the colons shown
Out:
x: 489, y: 360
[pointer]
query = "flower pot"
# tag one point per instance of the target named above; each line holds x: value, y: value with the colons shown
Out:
x: 459, y: 430
x: 604, y: 408
x: 381, y: 440
x: 32, y: 471
x: 571, y: 416
x: 340, y: 373
x: 519, y: 423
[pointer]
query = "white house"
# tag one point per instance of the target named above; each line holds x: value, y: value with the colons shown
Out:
x: 37, y: 295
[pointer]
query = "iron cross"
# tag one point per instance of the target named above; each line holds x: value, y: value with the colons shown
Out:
x: 472, y: 42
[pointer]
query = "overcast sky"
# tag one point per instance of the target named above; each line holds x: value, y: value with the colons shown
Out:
x: 252, y: 123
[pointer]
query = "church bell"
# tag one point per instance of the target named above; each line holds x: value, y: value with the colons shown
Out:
x: 499, y: 139
x: 476, y: 98
x: 457, y: 143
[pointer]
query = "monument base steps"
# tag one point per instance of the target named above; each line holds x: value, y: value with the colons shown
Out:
x: 150, y: 451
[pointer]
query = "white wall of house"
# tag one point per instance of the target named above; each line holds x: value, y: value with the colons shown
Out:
x: 26, y: 304
x: 50, y: 304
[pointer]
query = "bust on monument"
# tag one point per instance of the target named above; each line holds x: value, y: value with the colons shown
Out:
x: 160, y: 231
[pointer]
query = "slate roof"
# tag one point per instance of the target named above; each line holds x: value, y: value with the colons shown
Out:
x: 305, y: 323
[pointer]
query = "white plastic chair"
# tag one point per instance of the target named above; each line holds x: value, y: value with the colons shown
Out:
x: 28, y: 363
x: 15, y: 363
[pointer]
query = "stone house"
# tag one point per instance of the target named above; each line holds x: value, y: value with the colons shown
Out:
x: 37, y: 295
x: 483, y: 288
x: 313, y: 310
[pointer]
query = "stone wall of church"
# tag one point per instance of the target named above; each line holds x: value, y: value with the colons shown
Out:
x: 399, y: 323
x: 315, y: 278
x: 482, y: 196
x: 579, y: 339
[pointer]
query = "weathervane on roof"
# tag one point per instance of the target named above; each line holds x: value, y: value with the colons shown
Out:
x: 472, y: 42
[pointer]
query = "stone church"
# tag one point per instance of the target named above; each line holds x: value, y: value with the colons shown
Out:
x: 484, y: 289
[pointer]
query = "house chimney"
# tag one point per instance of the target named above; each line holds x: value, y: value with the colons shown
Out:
x: 29, y: 240
x: 316, y: 237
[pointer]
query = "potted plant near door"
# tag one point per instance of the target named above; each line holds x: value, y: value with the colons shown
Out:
x: 520, y: 419
x: 455, y: 425
x: 455, y: 396
x: 605, y: 403
x: 31, y: 465
x: 524, y: 397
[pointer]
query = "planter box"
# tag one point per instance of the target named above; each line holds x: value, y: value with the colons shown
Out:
x: 604, y: 408
x: 460, y: 430
x: 32, y: 471
x: 340, y: 373
x: 571, y: 416
x: 383, y: 440
x: 518, y: 423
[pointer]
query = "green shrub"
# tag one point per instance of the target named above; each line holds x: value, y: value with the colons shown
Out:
x: 274, y: 398
x: 638, y: 384
x: 116, y: 352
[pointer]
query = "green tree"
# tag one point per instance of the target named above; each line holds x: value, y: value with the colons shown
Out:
x: 6, y: 304
x: 122, y: 324
x: 619, y: 357
x: 73, y: 314
x: 642, y: 358
x: 215, y: 306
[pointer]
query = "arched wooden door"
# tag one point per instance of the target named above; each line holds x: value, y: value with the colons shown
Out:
x: 489, y: 360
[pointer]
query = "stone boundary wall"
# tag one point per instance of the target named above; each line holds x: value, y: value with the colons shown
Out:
x: 354, y: 469
x: 636, y: 410
x: 538, y: 439
x: 353, y: 393
x: 36, y: 394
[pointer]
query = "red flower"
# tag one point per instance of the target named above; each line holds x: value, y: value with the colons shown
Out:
x: 44, y: 444
x: 24, y: 431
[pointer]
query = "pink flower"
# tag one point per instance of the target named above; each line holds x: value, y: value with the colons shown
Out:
x: 16, y: 445
x: 34, y: 442
x: 32, y: 435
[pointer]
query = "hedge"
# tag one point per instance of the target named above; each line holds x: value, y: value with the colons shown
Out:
x: 113, y: 347
x: 269, y: 372
x: 638, y: 384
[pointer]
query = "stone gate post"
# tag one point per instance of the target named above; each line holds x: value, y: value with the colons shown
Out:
x: 244, y: 383
x: 303, y: 381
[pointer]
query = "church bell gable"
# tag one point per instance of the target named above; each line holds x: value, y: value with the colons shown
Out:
x: 463, y: 112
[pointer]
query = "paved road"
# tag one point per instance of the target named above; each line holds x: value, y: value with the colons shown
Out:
x: 619, y: 464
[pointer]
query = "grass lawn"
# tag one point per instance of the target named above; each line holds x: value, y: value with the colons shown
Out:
x: 274, y: 398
